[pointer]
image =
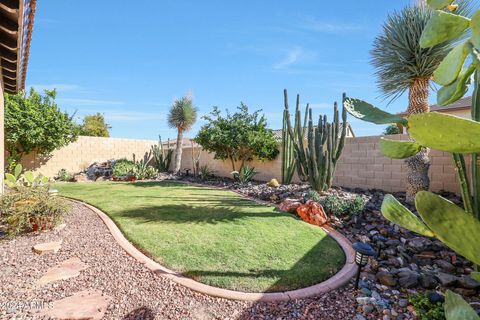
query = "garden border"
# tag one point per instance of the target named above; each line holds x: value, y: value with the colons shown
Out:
x: 338, y: 280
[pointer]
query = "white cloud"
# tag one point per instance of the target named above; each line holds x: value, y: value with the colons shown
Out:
x: 75, y: 102
x: 293, y: 56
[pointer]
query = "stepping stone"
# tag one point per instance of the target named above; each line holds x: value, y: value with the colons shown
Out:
x: 87, y: 304
x: 49, y: 247
x: 67, y: 269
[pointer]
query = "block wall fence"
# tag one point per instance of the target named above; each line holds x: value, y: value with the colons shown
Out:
x: 360, y: 166
x: 78, y: 155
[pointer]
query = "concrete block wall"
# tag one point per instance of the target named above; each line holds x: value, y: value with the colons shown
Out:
x: 86, y: 150
x: 361, y: 164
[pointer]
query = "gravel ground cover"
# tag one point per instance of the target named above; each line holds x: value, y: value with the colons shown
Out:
x: 137, y: 293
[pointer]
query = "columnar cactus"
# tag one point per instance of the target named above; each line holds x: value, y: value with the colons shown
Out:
x: 289, y: 162
x: 317, y: 159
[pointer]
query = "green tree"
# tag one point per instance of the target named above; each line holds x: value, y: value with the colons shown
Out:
x: 35, y: 122
x: 94, y: 126
x: 241, y: 136
x: 182, y: 116
x: 403, y: 66
x: 391, y: 129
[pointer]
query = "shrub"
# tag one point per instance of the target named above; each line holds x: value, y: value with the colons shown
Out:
x: 206, y: 172
x: 312, y: 195
x: 338, y: 206
x: 425, y: 309
x: 124, y: 168
x: 391, y: 129
x: 31, y: 209
x: 245, y: 175
x: 357, y: 206
x: 64, y: 175
x: 35, y: 122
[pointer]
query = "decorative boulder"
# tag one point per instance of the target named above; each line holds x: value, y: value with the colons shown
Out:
x: 313, y: 213
x: 290, y: 205
x: 273, y: 183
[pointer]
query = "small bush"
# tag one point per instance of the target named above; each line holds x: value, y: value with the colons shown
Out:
x: 313, y: 195
x: 124, y: 168
x: 425, y: 309
x: 357, y: 206
x: 145, y: 172
x: 338, y: 206
x: 31, y: 209
x: 64, y: 175
x: 206, y: 172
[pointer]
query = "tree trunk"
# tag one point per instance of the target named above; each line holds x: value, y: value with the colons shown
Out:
x: 417, y: 166
x: 178, y: 152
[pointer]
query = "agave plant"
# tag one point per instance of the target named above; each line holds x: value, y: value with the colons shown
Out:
x: 245, y: 175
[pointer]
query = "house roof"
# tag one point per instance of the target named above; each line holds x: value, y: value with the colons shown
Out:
x: 16, y: 26
x: 460, y: 104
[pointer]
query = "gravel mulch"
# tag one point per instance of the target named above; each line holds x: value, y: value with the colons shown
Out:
x: 137, y: 293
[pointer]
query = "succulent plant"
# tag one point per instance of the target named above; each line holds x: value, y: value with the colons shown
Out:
x: 317, y: 157
x: 458, y: 228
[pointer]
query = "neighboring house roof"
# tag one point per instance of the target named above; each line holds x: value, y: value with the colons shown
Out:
x: 16, y: 26
x: 350, y: 133
x: 461, y: 104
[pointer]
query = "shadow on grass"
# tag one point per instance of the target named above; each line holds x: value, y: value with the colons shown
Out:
x: 165, y: 183
x: 318, y: 264
x: 228, y: 211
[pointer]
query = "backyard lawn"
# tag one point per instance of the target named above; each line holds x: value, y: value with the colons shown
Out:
x: 215, y: 236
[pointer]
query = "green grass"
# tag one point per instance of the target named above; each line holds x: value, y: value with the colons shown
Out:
x: 215, y: 236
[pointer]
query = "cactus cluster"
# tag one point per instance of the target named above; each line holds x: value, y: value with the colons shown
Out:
x: 162, y: 157
x: 317, y: 157
x: 458, y: 228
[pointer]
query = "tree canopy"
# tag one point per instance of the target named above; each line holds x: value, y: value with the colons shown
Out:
x: 34, y: 122
x: 241, y: 136
x: 94, y: 125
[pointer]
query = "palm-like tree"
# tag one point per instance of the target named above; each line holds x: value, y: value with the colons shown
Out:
x: 182, y: 116
x: 402, y: 65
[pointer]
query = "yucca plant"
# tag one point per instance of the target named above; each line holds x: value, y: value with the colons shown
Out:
x: 182, y: 116
x: 402, y: 65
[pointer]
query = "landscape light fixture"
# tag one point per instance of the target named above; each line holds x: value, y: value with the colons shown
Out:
x: 362, y: 252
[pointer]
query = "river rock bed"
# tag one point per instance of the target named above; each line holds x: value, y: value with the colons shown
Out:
x: 406, y: 263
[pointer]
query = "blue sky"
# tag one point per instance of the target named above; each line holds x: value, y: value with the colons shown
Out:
x: 130, y: 62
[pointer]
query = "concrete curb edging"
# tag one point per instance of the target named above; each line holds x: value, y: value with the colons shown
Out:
x: 338, y: 280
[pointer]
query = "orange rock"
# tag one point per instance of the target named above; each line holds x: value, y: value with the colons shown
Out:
x: 313, y: 213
